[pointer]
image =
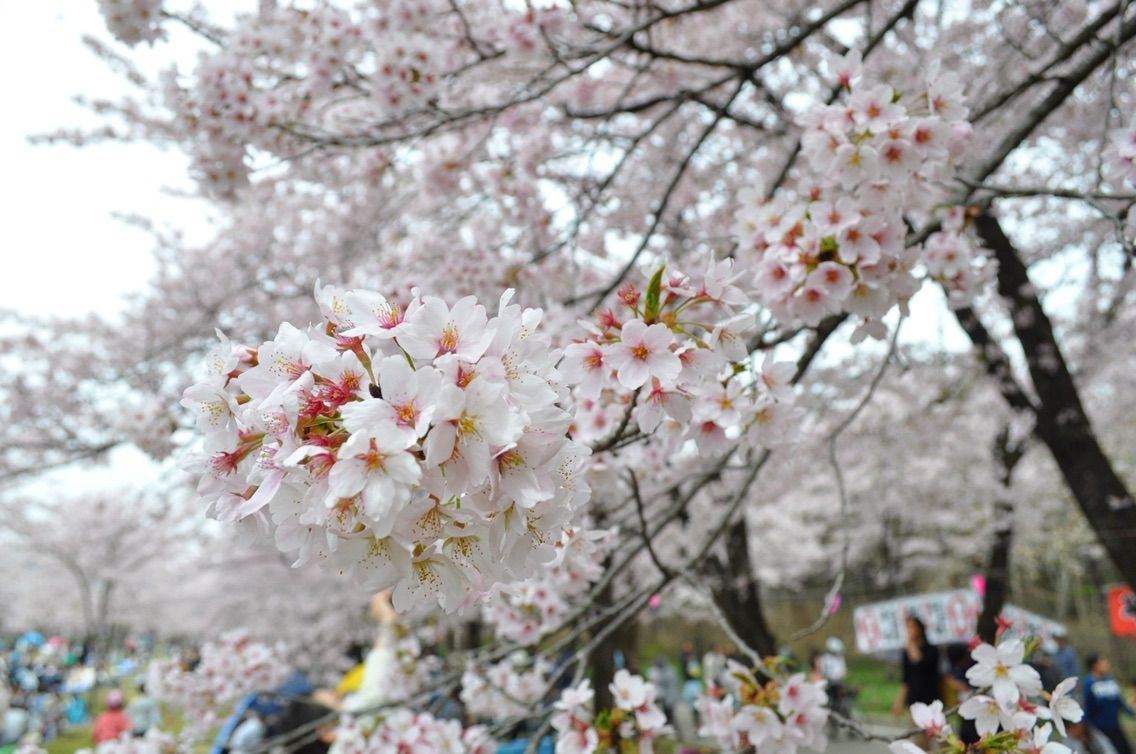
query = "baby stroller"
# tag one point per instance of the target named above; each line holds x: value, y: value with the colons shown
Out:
x: 288, y: 715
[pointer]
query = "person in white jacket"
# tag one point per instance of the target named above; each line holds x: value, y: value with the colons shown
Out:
x: 378, y: 667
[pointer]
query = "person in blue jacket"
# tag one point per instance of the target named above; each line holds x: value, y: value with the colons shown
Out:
x: 1104, y: 701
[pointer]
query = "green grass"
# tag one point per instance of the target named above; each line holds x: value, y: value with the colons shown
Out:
x: 878, y: 683
x: 72, y: 739
x: 667, y: 746
x: 79, y: 736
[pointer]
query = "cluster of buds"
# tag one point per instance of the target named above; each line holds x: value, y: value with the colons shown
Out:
x: 635, y: 723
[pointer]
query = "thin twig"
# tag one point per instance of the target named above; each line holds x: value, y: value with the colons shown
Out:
x: 846, y: 543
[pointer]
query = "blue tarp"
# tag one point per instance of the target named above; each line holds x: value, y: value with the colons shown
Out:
x: 31, y: 639
x: 231, y: 724
x: 265, y: 705
x: 519, y: 746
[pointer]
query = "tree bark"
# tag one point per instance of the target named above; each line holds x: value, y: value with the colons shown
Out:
x: 736, y: 591
x: 1008, y: 454
x: 997, y: 570
x: 1060, y: 418
x: 624, y: 640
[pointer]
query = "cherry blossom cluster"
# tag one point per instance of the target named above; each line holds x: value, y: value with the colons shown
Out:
x: 777, y: 715
x: 246, y: 95
x: 273, y: 84
x: 677, y: 356
x: 528, y: 610
x: 951, y: 260
x: 410, y: 60
x: 229, y: 668
x: 1007, y: 710
x: 132, y: 21
x: 154, y: 742
x: 526, y: 35
x: 1120, y: 166
x: 1120, y: 155
x: 402, y: 730
x: 505, y: 689
x: 411, y: 670
x: 413, y: 444
x: 633, y: 724
x: 149, y: 425
x: 835, y: 242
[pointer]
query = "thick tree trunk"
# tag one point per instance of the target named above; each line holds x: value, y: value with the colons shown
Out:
x: 1061, y: 422
x: 624, y: 640
x: 997, y: 570
x: 472, y: 638
x: 737, y: 593
x: 1064, y: 582
x: 103, y: 612
x: 1008, y: 454
x: 603, y: 671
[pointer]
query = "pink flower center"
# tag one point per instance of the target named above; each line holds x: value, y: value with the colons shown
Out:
x: 407, y: 414
x: 448, y: 340
x: 373, y: 458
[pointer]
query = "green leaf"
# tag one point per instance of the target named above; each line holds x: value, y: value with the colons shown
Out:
x: 651, y: 306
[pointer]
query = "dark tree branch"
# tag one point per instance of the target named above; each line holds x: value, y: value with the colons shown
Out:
x: 1007, y: 453
x: 1061, y: 421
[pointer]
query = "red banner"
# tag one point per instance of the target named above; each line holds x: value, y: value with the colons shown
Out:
x: 1122, y: 611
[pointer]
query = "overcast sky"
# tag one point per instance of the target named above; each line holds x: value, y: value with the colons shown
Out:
x: 64, y: 251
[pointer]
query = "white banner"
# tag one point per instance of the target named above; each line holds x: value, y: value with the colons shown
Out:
x: 949, y: 616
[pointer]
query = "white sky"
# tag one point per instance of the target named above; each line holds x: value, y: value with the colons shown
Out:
x: 64, y: 252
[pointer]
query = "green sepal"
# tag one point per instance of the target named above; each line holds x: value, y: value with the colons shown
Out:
x: 651, y: 303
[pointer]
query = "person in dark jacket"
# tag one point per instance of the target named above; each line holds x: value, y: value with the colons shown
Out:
x: 921, y: 676
x: 1104, y: 702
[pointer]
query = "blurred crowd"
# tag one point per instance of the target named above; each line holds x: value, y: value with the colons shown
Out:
x: 48, y: 684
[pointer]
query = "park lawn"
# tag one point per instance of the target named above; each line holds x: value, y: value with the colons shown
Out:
x: 73, y: 739
x: 878, y: 684
x: 667, y: 746
x: 79, y: 736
